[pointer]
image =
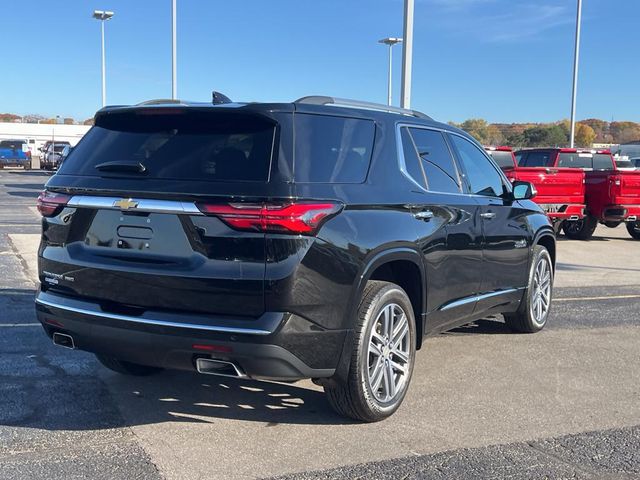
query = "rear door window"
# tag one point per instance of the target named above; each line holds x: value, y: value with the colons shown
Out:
x: 437, y: 162
x: 178, y: 145
x: 332, y: 149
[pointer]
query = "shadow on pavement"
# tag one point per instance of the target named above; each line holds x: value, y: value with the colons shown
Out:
x: 47, y: 387
x: 32, y: 194
x: 26, y: 186
x: 31, y: 173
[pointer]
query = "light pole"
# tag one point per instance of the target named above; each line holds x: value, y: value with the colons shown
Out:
x: 391, y: 41
x: 576, y: 57
x: 407, y: 55
x: 103, y: 15
x: 174, y: 53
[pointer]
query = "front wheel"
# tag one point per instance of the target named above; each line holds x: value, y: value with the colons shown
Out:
x: 634, y: 229
x: 532, y: 315
x: 580, y: 229
x: 382, y: 357
x: 127, y: 368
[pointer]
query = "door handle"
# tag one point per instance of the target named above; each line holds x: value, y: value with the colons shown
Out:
x: 424, y: 215
x: 488, y: 215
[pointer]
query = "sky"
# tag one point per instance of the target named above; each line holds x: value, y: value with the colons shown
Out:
x: 502, y: 60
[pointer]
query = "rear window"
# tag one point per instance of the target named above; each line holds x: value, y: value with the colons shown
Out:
x: 332, y: 149
x: 537, y: 159
x: 576, y: 160
x: 17, y: 144
x: 503, y: 159
x: 602, y: 161
x: 201, y: 146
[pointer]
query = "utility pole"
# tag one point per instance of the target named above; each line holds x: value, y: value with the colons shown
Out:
x: 174, y: 53
x: 576, y: 59
x: 407, y: 55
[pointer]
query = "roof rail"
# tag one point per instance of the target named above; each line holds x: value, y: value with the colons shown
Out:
x: 344, y: 102
x: 158, y: 101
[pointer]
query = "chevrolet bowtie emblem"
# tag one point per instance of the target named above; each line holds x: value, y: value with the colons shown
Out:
x: 125, y: 204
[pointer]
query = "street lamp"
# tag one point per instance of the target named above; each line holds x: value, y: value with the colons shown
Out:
x: 407, y: 54
x: 391, y: 41
x: 174, y: 53
x: 576, y: 58
x: 103, y: 15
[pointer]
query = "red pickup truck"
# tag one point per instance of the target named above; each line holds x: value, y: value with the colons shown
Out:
x: 561, y: 191
x: 612, y: 195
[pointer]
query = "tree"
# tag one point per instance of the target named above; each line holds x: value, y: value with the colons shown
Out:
x: 585, y: 135
x: 484, y: 132
x: 545, y: 136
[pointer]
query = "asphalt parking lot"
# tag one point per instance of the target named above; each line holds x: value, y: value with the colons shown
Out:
x: 484, y: 402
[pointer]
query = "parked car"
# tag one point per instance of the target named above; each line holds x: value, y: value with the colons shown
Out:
x: 15, y: 153
x: 64, y: 154
x: 52, y: 156
x: 635, y: 162
x: 612, y: 195
x: 317, y: 239
x: 46, y: 145
x: 560, y: 191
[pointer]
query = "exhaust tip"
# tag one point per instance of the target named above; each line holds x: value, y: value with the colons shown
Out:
x: 64, y: 340
x: 209, y: 366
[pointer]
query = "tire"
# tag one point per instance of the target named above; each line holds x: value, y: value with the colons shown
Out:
x: 533, y: 313
x: 27, y: 166
x: 580, y: 229
x: 356, y: 398
x: 634, y: 229
x: 127, y: 368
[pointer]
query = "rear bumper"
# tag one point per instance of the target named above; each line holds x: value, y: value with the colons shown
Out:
x: 276, y: 346
x: 621, y: 213
x: 573, y: 211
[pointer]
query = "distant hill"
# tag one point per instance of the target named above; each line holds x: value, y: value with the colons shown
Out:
x: 589, y: 131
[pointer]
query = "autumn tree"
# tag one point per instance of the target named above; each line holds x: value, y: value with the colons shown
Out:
x: 585, y: 135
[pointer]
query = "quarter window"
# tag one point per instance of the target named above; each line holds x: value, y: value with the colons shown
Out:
x: 482, y: 176
x: 411, y: 160
x: 332, y: 149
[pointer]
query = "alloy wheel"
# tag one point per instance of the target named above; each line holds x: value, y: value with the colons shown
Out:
x: 389, y: 355
x: 541, y: 297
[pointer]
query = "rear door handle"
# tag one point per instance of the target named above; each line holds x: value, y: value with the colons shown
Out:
x: 424, y: 215
x: 488, y: 215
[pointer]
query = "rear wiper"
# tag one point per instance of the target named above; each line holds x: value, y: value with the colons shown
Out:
x: 121, y: 166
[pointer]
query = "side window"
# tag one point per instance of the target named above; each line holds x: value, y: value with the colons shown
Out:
x: 538, y: 159
x: 521, y: 159
x: 332, y: 149
x: 436, y: 160
x: 411, y: 160
x: 482, y: 176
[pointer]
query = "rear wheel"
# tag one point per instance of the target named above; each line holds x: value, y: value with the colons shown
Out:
x: 580, y: 229
x: 382, y: 357
x: 127, y: 368
x: 532, y: 315
x: 634, y: 229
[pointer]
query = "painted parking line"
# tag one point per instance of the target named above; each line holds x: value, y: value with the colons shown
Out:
x: 608, y: 297
x: 9, y: 325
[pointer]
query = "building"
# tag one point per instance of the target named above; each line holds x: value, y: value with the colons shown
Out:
x: 37, y: 133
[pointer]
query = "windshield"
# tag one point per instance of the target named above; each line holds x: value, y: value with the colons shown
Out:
x: 183, y: 146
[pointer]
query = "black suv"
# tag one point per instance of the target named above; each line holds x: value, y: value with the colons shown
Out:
x: 317, y: 239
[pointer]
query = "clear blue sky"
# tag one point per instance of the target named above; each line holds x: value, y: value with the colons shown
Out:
x: 503, y: 60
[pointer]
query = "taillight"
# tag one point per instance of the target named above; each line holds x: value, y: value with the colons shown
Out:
x: 300, y: 218
x: 51, y: 203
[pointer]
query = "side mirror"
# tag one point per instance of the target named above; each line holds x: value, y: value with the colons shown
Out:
x: 523, y: 190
